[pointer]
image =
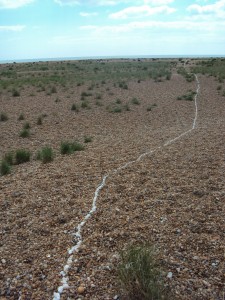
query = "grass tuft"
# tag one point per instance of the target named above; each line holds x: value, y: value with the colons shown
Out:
x: 87, y: 139
x: 68, y: 147
x: 5, y: 167
x: 21, y: 117
x: 22, y: 156
x: 74, y: 107
x: 3, y: 117
x: 25, y: 133
x: 45, y: 155
x: 140, y: 275
x: 135, y: 101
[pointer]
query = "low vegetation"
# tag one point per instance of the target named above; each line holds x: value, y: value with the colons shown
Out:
x: 46, y: 154
x: 25, y: 133
x: 140, y: 275
x: 5, y: 167
x: 135, y: 101
x: 189, y: 96
x: 22, y: 156
x: 3, y: 117
x: 212, y: 67
x: 70, y: 147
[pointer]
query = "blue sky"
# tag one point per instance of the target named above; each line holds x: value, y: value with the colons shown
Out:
x: 83, y: 28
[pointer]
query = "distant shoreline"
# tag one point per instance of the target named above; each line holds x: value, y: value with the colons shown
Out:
x: 109, y: 57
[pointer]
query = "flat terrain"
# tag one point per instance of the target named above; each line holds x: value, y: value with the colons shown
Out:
x: 172, y: 198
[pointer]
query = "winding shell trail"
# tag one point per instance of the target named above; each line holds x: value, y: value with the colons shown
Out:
x: 78, y: 233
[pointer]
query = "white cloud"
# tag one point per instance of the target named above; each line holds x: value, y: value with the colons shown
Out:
x: 86, y: 14
x: 10, y: 4
x: 176, y: 25
x: 12, y: 28
x: 106, y: 2
x: 158, y: 2
x: 67, y: 2
x: 217, y: 9
x: 140, y: 11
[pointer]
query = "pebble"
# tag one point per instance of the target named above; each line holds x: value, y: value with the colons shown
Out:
x: 3, y: 261
x: 170, y: 275
x: 81, y: 289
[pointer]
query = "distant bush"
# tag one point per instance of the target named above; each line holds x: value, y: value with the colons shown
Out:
x: 53, y: 89
x: 77, y: 146
x: 150, y: 107
x: 98, y: 103
x: 127, y: 107
x: 140, y: 275
x: 21, y: 117
x: 118, y: 101
x: 3, y: 117
x: 26, y: 125
x: 45, y: 155
x: 66, y: 148
x: 70, y: 147
x: 116, y: 110
x: 85, y: 104
x: 123, y: 85
x: 135, y: 101
x: 189, y: 96
x: 87, y: 139
x: 15, y: 93
x: 74, y: 107
x: 22, y: 156
x: 25, y: 133
x: 8, y: 157
x: 39, y: 120
x: 5, y: 168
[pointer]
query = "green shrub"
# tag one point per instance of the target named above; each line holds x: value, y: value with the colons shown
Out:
x: 84, y: 104
x: 39, y: 120
x: 21, y: 117
x: 5, y: 168
x: 140, y: 275
x: 150, y: 107
x: 3, y: 117
x: 116, y: 110
x: 118, y: 101
x: 189, y: 96
x: 135, y: 101
x: 75, y: 146
x: 66, y: 148
x: 74, y: 107
x: 87, y: 139
x: 15, y: 93
x: 70, y: 147
x: 53, y: 90
x: 25, y: 133
x: 26, y: 125
x: 46, y: 154
x: 8, y: 157
x: 126, y: 107
x: 98, y: 103
x: 123, y: 85
x: 22, y: 156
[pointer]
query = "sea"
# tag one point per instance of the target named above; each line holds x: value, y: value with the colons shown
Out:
x: 107, y: 57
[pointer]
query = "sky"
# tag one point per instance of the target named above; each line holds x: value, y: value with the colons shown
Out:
x: 32, y: 29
